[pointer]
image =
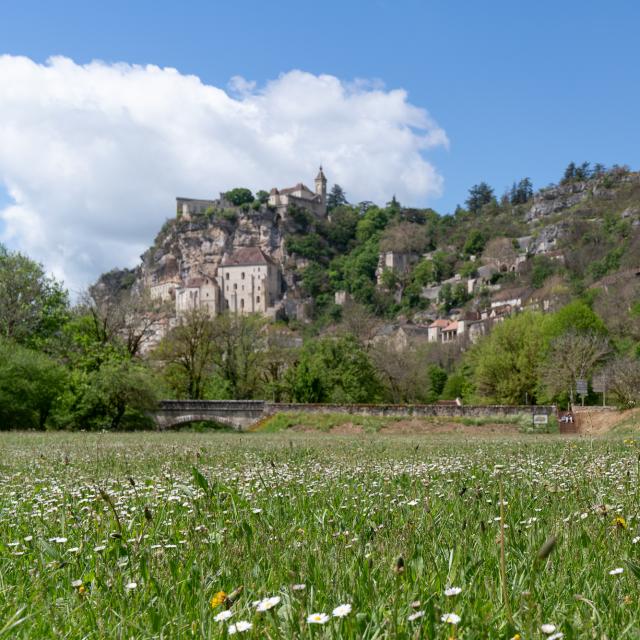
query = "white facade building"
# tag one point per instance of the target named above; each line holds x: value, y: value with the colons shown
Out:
x: 249, y: 282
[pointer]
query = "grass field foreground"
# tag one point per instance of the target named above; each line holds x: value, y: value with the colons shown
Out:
x: 297, y: 535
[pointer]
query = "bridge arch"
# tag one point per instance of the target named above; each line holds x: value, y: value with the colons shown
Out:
x: 238, y: 414
x: 180, y: 420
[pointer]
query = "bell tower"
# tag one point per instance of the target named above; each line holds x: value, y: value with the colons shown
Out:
x: 321, y: 189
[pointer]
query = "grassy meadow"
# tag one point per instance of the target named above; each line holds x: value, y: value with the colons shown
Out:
x: 309, y: 535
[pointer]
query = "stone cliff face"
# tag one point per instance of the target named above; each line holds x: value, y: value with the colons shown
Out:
x: 559, y: 198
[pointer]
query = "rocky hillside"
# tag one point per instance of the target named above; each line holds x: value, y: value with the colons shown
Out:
x: 555, y: 244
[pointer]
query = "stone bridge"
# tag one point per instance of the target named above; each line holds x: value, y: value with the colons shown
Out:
x: 241, y: 414
x: 238, y: 414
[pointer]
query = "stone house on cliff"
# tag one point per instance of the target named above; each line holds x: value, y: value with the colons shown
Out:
x: 302, y: 196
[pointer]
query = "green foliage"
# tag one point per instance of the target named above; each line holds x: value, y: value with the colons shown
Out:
x: 474, y: 244
x: 239, y: 196
x: 575, y: 316
x: 262, y: 197
x: 452, y: 296
x: 543, y: 267
x: 437, y: 382
x: 309, y: 245
x: 301, y: 217
x: 479, y: 195
x: 611, y: 262
x: 119, y: 395
x: 374, y: 220
x: 334, y: 371
x: 506, y: 363
x: 30, y: 386
x: 336, y: 198
x: 33, y: 306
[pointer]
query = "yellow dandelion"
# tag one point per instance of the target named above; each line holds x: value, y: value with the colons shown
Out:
x: 218, y: 599
x: 619, y: 522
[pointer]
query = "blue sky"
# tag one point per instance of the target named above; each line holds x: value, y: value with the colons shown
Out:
x: 519, y: 88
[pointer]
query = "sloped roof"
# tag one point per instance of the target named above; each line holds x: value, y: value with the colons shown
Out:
x: 298, y: 187
x: 440, y: 322
x: 246, y: 256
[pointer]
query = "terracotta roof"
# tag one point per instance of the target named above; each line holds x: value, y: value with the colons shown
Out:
x: 246, y: 256
x: 452, y: 326
x: 440, y: 322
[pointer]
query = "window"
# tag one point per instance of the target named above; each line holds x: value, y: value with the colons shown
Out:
x: 227, y: 276
x: 258, y: 299
x: 242, y: 275
x: 235, y: 286
x: 242, y: 303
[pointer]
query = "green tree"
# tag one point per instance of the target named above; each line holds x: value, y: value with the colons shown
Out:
x: 33, y: 306
x: 336, y: 197
x: 506, y: 363
x: 262, y: 196
x: 187, y: 353
x: 30, y: 385
x: 479, y: 195
x: 239, y: 196
x: 333, y: 370
x: 474, y: 243
x: 239, y: 345
x: 121, y: 394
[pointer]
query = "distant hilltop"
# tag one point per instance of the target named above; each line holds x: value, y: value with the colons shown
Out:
x: 296, y: 254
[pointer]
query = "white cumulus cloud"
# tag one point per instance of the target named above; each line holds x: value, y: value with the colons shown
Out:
x: 94, y: 155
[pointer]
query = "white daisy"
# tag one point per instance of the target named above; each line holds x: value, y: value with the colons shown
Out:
x: 342, y: 611
x: 222, y: 616
x: 267, y: 603
x: 130, y: 585
x: 416, y: 615
x: 450, y: 618
x: 452, y: 591
x: 616, y: 572
x: 239, y: 627
x: 317, y: 618
x: 548, y: 629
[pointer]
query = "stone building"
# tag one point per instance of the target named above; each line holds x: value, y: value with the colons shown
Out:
x: 249, y: 282
x: 198, y: 293
x: 302, y: 196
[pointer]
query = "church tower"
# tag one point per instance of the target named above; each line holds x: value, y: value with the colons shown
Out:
x: 321, y: 189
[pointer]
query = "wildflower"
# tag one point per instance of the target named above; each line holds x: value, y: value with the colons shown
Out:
x: 452, y: 591
x: 60, y: 540
x: 547, y: 628
x: 616, y: 572
x: 298, y: 587
x: 217, y: 599
x: 450, y: 618
x: 256, y: 510
x: 342, y: 611
x: 517, y: 637
x: 267, y: 603
x: 239, y: 627
x: 223, y: 615
x: 415, y: 616
x: 556, y: 636
x: 635, y: 540
x: 619, y: 522
x: 76, y: 583
x: 130, y: 586
x: 99, y: 548
x: 317, y: 618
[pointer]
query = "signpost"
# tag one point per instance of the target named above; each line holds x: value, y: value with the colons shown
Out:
x: 582, y: 388
x: 599, y: 384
